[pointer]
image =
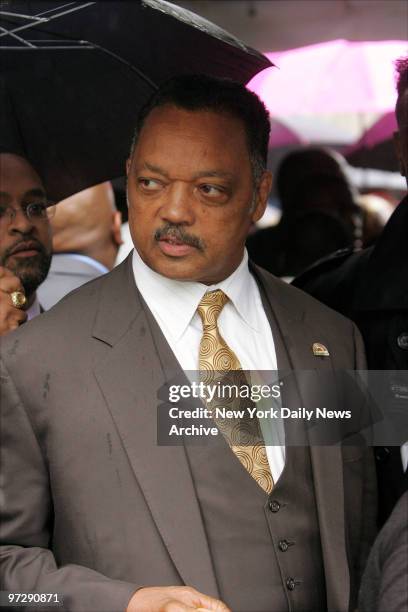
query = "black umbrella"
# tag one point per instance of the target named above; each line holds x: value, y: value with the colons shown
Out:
x: 159, y: 38
x: 75, y: 75
x: 57, y: 111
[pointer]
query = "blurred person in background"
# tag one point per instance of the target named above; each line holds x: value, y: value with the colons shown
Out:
x: 25, y: 241
x: 312, y: 235
x: 371, y: 288
x: 308, y: 180
x: 376, y: 212
x: 86, y: 237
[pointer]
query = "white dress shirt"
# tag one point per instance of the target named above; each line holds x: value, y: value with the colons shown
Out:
x: 242, y: 323
x: 99, y: 267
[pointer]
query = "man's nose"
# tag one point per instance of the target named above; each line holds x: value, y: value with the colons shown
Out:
x: 20, y: 222
x: 178, y: 205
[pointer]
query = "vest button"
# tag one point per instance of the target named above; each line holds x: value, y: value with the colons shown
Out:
x: 274, y: 506
x: 290, y: 583
x: 283, y: 545
x: 402, y: 341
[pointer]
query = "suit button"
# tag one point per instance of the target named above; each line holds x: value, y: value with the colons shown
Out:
x: 402, y: 341
x: 274, y: 506
x: 290, y: 583
x: 283, y: 545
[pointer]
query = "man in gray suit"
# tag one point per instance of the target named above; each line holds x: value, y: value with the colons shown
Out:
x: 93, y: 508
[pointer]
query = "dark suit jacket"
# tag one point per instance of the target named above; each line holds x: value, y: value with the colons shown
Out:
x: 371, y: 288
x: 93, y: 507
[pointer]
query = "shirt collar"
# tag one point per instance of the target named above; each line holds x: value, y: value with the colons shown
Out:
x: 100, y: 267
x: 175, y: 302
x: 34, y: 309
x: 238, y: 287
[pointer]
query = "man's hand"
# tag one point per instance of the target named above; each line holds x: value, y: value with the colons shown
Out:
x: 10, y: 316
x: 173, y: 599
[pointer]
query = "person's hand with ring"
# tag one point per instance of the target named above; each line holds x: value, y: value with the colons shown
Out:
x: 12, y: 300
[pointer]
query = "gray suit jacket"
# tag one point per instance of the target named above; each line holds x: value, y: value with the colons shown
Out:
x: 92, y: 507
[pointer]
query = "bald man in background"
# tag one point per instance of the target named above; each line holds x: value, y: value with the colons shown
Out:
x: 86, y: 239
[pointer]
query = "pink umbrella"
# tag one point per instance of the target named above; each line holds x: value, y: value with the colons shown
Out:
x: 330, y: 93
x: 380, y: 131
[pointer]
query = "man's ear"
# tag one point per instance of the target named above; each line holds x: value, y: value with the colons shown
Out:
x: 117, y: 228
x: 128, y: 164
x: 262, y: 193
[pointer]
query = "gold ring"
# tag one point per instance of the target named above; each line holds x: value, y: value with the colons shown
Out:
x: 18, y: 299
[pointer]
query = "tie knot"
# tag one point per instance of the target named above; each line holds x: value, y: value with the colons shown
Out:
x: 210, y: 307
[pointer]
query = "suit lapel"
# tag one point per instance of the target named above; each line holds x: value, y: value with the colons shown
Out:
x: 130, y: 379
x: 294, y: 336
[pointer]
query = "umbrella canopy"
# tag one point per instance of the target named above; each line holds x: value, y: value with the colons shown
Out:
x: 331, y: 92
x: 377, y: 133
x: 159, y: 38
x: 381, y: 157
x: 70, y: 106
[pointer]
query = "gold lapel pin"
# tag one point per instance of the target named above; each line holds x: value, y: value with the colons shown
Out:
x: 319, y: 350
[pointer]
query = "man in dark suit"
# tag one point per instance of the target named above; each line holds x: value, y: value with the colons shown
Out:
x: 371, y: 288
x: 384, y: 586
x: 93, y: 508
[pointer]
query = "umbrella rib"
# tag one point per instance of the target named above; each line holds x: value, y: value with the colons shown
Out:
x: 25, y: 42
x: 21, y: 16
x: 126, y: 63
x: 46, y: 19
x: 50, y: 47
x: 56, y: 8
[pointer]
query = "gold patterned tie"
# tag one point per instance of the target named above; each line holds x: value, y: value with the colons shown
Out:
x: 216, y: 356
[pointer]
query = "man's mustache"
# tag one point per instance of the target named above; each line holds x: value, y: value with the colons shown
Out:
x: 177, y: 232
x: 38, y: 245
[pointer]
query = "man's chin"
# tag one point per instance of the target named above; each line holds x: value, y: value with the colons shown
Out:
x: 176, y: 268
x: 32, y: 271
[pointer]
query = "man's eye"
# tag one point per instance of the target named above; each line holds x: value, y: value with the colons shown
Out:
x: 148, y: 184
x: 36, y: 209
x: 213, y: 191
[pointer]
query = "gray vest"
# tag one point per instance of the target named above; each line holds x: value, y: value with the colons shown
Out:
x: 266, y: 551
